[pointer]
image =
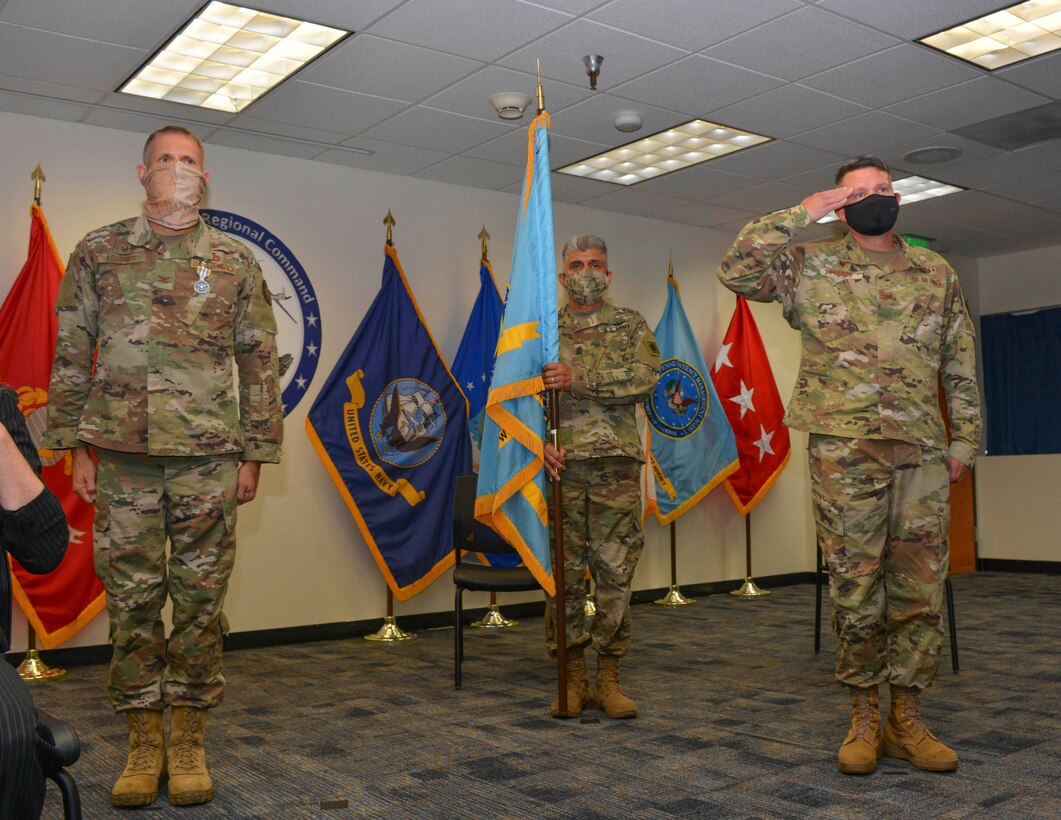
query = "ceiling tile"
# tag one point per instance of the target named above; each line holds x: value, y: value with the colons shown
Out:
x: 40, y: 107
x: 1048, y: 152
x: 641, y: 203
x: 438, y: 130
x: 477, y: 173
x: 625, y: 55
x: 786, y: 111
x: 593, y: 120
x: 58, y: 58
x: 387, y: 157
x: 763, y: 199
x: 893, y: 75
x: 471, y: 95
x: 696, y: 86
x: 705, y: 214
x: 143, y: 24
x: 512, y: 148
x: 52, y: 90
x: 572, y: 6
x: 1037, y: 188
x: 330, y: 109
x: 161, y: 108
x: 138, y: 123
x: 569, y: 189
x: 265, y: 144
x: 1039, y: 74
x: 690, y: 24
x: 775, y: 160
x: 805, y: 42
x: 995, y: 170
x: 974, y: 101
x: 267, y: 128
x: 864, y: 134
x: 912, y: 18
x: 369, y: 65
x: 487, y: 29
x: 970, y: 150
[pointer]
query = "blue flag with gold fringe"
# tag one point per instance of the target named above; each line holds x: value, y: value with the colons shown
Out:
x: 692, y: 445
x: 511, y: 496
x: 474, y: 362
x: 391, y: 427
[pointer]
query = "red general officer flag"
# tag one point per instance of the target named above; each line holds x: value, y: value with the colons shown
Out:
x: 746, y: 387
x: 58, y: 604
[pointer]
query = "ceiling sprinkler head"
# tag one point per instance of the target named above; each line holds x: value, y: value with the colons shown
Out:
x: 593, y: 62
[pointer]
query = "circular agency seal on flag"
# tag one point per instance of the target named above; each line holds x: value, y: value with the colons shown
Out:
x: 298, y: 320
x: 408, y: 423
x: 679, y: 403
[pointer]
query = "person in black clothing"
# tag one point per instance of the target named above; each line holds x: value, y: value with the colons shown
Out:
x: 33, y: 529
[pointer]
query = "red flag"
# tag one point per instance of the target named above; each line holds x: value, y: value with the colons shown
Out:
x: 746, y: 388
x: 58, y: 604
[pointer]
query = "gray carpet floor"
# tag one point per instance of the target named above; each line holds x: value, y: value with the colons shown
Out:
x: 739, y: 718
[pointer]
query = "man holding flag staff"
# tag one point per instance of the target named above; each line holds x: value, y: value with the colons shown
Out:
x: 881, y: 322
x: 608, y: 365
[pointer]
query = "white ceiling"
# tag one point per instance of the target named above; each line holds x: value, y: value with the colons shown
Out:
x: 407, y: 94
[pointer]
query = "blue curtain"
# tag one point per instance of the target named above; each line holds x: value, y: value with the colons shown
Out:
x: 1022, y: 381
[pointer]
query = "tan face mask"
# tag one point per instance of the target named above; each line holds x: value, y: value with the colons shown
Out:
x: 174, y: 192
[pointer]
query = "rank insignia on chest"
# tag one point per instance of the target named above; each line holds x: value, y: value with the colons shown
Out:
x: 202, y: 286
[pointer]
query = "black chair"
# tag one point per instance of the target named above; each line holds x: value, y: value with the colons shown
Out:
x: 822, y: 569
x: 469, y: 534
x: 50, y: 728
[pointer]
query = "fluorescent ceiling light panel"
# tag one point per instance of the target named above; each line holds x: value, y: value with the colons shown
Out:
x: 649, y: 157
x: 913, y: 189
x: 227, y: 56
x: 1003, y: 37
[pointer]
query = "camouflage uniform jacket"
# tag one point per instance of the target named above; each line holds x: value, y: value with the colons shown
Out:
x: 614, y: 361
x: 163, y: 380
x: 873, y: 339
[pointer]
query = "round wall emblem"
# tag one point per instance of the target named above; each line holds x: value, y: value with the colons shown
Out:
x: 679, y: 403
x: 294, y: 302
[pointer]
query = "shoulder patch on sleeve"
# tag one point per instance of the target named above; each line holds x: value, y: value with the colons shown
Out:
x: 653, y: 348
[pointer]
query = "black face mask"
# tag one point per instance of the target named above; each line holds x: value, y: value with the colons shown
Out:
x: 874, y: 215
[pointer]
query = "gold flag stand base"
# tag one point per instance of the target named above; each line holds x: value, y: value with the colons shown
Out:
x: 34, y: 670
x: 390, y: 632
x: 749, y: 590
x: 590, y: 608
x: 494, y: 619
x: 674, y: 598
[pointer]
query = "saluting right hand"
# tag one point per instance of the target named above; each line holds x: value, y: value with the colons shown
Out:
x: 825, y: 202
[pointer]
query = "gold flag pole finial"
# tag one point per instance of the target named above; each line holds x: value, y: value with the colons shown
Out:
x: 485, y: 237
x: 670, y: 265
x: 388, y: 220
x: 38, y: 177
x: 540, y: 97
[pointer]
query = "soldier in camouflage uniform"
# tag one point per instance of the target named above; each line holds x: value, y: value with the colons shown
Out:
x: 880, y: 322
x: 608, y: 364
x: 153, y: 312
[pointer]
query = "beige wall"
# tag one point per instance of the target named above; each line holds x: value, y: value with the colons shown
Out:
x: 301, y: 558
x: 1019, y: 517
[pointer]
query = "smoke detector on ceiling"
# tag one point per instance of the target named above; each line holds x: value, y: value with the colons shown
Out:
x: 932, y: 155
x: 628, y: 121
x: 509, y: 105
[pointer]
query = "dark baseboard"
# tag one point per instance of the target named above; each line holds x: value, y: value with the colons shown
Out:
x: 1012, y: 565
x: 259, y: 638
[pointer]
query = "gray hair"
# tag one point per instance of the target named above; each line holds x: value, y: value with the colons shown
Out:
x: 584, y: 242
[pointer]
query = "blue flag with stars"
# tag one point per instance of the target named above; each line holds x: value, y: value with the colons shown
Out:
x: 474, y: 363
x: 511, y: 495
x: 692, y: 445
x: 391, y: 427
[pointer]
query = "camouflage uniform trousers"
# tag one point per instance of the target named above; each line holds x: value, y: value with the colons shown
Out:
x: 143, y: 500
x: 882, y: 512
x: 602, y: 532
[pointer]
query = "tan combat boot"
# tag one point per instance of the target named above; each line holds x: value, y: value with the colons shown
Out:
x: 864, y: 744
x: 610, y: 695
x: 577, y: 687
x: 907, y: 738
x: 146, y: 764
x: 189, y: 781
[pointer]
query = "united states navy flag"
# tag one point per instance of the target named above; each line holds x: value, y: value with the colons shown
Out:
x: 391, y: 426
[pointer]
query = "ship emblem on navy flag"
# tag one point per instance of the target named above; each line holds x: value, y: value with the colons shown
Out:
x: 408, y: 423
